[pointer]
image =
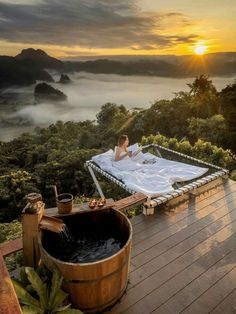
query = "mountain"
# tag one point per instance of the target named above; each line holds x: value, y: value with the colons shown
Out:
x: 139, y: 67
x: 214, y: 64
x: 15, y: 72
x: 44, y: 92
x: 29, y: 66
x: 39, y: 58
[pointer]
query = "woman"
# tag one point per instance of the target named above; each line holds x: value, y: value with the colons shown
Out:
x: 121, y: 150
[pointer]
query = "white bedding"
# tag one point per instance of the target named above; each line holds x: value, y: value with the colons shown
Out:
x: 151, y: 179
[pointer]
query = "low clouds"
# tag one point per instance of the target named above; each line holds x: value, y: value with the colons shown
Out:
x: 90, y: 24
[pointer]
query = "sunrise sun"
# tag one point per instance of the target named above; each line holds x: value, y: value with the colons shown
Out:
x: 200, y: 50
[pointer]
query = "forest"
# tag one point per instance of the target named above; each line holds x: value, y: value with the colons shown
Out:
x: 199, y: 123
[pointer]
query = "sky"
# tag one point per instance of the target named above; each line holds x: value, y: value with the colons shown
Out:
x: 71, y: 28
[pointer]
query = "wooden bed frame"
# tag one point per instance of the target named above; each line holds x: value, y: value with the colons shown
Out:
x: 192, y: 188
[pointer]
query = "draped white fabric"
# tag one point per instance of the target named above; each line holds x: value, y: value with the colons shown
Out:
x: 147, y: 173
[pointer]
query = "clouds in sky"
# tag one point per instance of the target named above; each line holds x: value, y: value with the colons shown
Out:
x: 91, y: 24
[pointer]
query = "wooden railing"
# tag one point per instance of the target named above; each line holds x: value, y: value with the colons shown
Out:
x: 8, y: 300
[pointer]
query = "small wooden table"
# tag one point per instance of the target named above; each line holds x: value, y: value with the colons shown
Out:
x: 79, y: 208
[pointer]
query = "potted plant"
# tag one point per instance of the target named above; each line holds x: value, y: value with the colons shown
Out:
x: 39, y: 292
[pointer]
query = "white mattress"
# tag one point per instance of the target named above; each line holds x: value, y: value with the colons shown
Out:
x: 151, y: 179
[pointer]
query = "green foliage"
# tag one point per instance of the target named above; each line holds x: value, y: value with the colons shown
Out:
x: 213, y: 129
x: 200, y: 150
x: 202, y: 85
x: 111, y: 120
x: 81, y: 199
x: 233, y: 175
x: 228, y: 109
x: 42, y: 294
x: 170, y: 117
x: 159, y: 118
x: 11, y: 231
x: 57, y: 154
x: 132, y: 211
x: 53, y: 157
x: 13, y: 187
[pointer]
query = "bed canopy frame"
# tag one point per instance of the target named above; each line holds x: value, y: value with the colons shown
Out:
x: 213, y: 174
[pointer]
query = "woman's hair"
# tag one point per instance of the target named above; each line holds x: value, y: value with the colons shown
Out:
x: 122, y: 139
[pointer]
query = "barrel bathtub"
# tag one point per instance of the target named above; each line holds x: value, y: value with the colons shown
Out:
x: 93, y: 286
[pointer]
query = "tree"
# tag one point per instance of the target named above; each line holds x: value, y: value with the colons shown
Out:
x: 111, y: 120
x: 112, y: 116
x: 202, y: 85
x: 228, y: 98
x: 13, y: 188
x: 213, y: 129
x: 206, y: 101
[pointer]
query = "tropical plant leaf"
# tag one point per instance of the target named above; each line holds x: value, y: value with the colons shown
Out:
x: 30, y: 309
x: 55, y: 287
x: 23, y: 277
x: 59, y: 298
x: 23, y: 295
x: 38, y: 286
x: 30, y: 289
x: 61, y: 308
x: 43, y: 273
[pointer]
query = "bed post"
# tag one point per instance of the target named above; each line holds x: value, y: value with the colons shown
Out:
x: 96, y: 182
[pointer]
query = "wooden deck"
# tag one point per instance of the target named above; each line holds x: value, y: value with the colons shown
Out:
x: 184, y: 260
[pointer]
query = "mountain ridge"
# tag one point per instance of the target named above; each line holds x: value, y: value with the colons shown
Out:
x: 30, y: 65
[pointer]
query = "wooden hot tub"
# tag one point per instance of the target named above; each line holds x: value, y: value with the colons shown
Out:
x: 93, y: 286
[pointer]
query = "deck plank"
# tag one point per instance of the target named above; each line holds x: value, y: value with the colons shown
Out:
x: 199, y: 285
x: 177, y: 245
x: 227, y: 305
x: 191, y: 237
x: 175, y: 214
x: 169, y: 219
x: 169, y: 265
x: 206, y: 279
x: 149, y: 248
x: 141, y: 222
x: 183, y: 257
x: 206, y: 302
x: 168, y: 230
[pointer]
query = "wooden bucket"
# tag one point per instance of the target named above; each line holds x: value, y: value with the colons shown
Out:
x: 95, y: 286
x: 64, y: 203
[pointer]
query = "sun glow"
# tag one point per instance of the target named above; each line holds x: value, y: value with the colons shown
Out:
x: 200, y: 50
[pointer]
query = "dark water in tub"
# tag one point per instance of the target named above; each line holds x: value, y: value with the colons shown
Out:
x: 82, y: 248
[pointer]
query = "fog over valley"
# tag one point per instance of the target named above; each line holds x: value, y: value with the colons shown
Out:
x: 86, y: 94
